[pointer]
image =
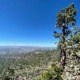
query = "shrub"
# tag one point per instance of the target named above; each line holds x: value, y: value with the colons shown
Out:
x: 52, y: 74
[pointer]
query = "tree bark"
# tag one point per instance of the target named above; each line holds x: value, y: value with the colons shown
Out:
x: 63, y: 49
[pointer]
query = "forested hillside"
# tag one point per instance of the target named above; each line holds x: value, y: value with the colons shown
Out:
x: 29, y: 65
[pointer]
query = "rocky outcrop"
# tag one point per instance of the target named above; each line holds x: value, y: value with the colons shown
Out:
x: 72, y: 69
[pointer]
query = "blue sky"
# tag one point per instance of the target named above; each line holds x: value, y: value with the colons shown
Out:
x: 30, y: 22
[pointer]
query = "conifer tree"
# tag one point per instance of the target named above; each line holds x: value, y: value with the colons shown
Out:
x: 66, y: 19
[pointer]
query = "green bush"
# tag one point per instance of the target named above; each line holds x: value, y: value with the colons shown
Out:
x: 54, y: 73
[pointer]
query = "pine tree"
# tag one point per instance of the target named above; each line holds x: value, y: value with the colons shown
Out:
x: 66, y: 19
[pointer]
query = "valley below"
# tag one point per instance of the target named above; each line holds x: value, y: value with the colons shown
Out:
x: 26, y: 63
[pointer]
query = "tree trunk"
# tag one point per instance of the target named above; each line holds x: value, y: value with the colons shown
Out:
x: 63, y: 49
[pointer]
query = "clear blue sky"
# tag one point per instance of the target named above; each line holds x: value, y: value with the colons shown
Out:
x: 30, y: 22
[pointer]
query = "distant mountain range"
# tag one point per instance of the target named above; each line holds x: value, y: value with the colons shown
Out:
x: 21, y: 49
